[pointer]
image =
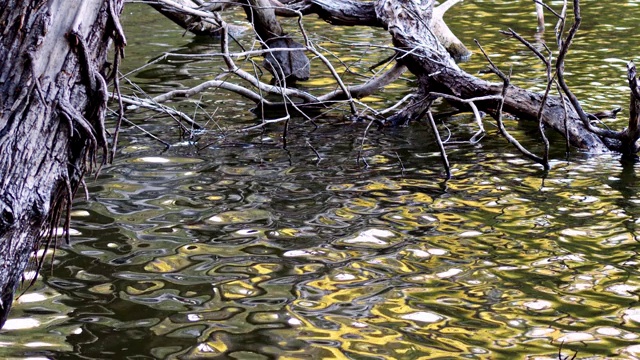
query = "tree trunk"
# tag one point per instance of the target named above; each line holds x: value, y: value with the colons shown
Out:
x: 52, y: 102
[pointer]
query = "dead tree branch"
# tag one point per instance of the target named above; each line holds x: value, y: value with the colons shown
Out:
x: 426, y: 47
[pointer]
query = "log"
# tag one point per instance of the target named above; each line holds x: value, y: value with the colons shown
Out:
x: 428, y: 51
x: 52, y: 106
x: 361, y: 13
x: 411, y: 26
x: 407, y: 22
x: 283, y: 65
x: 195, y: 19
x: 632, y: 132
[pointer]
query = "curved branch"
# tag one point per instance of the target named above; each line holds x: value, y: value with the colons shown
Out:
x: 242, y: 91
x: 369, y: 87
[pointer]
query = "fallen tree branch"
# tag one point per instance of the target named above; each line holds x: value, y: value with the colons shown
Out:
x: 476, y: 113
x: 632, y: 133
x: 418, y: 43
x: 506, y: 81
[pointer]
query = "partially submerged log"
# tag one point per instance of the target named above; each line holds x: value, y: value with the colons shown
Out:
x: 407, y: 22
x: 53, y: 96
x: 194, y: 18
x: 629, y: 146
x: 438, y: 72
x: 52, y: 106
x: 428, y: 50
x: 283, y: 65
x: 353, y: 12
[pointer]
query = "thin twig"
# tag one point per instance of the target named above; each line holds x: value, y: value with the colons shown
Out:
x: 443, y: 152
x: 506, y: 82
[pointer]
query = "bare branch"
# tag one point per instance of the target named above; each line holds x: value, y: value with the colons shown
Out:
x: 564, y: 49
x: 506, y: 82
x: 443, y: 152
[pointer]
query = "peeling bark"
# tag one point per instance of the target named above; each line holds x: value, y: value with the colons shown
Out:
x: 52, y: 99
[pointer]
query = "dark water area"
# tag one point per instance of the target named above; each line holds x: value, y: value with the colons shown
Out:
x: 229, y: 246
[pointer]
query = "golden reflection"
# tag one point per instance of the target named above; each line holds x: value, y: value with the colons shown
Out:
x: 240, y: 289
x: 102, y: 289
x: 271, y: 255
x: 144, y: 287
x: 168, y: 264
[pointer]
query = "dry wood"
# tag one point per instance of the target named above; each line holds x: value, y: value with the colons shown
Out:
x: 283, y: 65
x: 52, y: 104
x: 423, y: 46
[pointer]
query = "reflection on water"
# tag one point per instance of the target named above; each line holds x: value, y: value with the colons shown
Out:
x: 251, y: 251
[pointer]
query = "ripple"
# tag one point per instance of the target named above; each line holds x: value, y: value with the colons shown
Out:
x: 377, y: 238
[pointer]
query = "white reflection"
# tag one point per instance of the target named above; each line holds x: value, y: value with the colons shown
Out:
x: 448, y: 273
x: 472, y: 233
x: 537, y: 305
x: 155, y: 160
x: 36, y: 344
x: 575, y: 337
x: 371, y: 236
x: 31, y: 297
x: 21, y: 324
x: 423, y: 316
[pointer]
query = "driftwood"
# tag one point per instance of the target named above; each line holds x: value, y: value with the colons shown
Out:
x: 194, y: 18
x: 425, y: 46
x: 287, y: 65
x: 53, y: 99
x: 53, y: 93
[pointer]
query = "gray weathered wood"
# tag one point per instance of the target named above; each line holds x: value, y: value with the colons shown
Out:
x: 435, y: 70
x: 289, y: 65
x: 51, y: 117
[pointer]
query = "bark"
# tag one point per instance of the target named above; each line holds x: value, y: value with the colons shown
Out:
x: 407, y: 21
x: 353, y: 12
x: 632, y: 133
x: 287, y: 65
x: 190, y: 20
x: 52, y: 102
x: 428, y: 48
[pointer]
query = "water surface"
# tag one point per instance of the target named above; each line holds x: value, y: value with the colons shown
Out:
x: 228, y: 245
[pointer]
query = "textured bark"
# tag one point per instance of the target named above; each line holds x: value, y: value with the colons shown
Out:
x: 341, y: 12
x: 436, y: 71
x: 412, y: 29
x: 632, y: 133
x: 51, y: 112
x: 196, y: 24
x: 428, y: 49
x: 293, y: 65
x: 353, y: 12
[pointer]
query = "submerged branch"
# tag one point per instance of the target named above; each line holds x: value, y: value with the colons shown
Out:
x: 423, y: 44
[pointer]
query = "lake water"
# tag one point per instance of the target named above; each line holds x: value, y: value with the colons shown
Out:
x: 228, y: 245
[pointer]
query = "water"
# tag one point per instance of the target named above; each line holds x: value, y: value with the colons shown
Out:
x: 238, y: 248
